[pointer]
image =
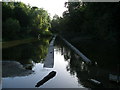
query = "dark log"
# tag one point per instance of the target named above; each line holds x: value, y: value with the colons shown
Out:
x: 46, y: 78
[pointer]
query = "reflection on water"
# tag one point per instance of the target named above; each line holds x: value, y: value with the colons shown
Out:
x: 71, y: 71
x: 105, y: 53
x: 27, y: 53
x: 84, y: 72
x: 75, y: 66
x: 34, y: 53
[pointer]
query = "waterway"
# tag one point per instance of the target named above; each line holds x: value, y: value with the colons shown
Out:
x: 23, y: 67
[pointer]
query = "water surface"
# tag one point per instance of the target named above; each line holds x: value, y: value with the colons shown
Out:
x: 71, y: 70
x: 33, y: 54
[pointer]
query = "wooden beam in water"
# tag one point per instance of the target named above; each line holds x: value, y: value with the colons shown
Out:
x: 77, y: 51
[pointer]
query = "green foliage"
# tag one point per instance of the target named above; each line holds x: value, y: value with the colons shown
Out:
x: 11, y: 29
x: 98, y: 20
x: 40, y: 19
x: 7, y: 11
x: 32, y: 20
x: 21, y: 12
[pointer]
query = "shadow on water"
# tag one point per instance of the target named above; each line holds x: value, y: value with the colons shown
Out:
x: 23, y: 57
x: 83, y: 71
x: 24, y: 53
x: 105, y: 53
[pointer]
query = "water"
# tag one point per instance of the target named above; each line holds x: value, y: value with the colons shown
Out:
x: 105, y: 53
x: 71, y: 71
x: 33, y: 52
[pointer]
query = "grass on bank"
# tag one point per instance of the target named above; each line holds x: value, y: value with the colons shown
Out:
x: 16, y: 42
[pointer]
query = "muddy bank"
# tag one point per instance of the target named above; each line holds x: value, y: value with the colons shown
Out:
x: 13, y: 69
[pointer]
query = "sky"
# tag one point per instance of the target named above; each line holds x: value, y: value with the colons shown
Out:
x: 51, y: 6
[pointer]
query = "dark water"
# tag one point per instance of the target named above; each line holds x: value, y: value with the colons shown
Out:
x: 105, y: 53
x: 71, y: 71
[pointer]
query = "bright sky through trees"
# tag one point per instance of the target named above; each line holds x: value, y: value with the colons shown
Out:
x: 52, y: 6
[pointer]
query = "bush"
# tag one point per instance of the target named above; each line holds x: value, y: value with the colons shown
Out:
x: 11, y: 29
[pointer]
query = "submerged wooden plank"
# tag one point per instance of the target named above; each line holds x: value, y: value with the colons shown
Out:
x: 77, y: 51
x: 49, y: 60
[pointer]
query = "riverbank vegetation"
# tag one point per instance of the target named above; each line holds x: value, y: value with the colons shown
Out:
x: 93, y: 28
x: 20, y: 21
x: 98, y: 21
x: 88, y: 26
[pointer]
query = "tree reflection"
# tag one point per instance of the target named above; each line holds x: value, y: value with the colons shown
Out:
x: 76, y: 66
x: 27, y: 53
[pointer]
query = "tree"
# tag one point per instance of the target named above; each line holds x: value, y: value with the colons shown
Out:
x: 21, y: 13
x: 11, y: 29
x: 96, y: 20
x: 32, y: 20
x: 7, y: 11
x: 40, y: 21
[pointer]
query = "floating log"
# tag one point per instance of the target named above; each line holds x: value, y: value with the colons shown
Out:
x: 46, y: 78
x: 49, y: 60
x: 77, y: 51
